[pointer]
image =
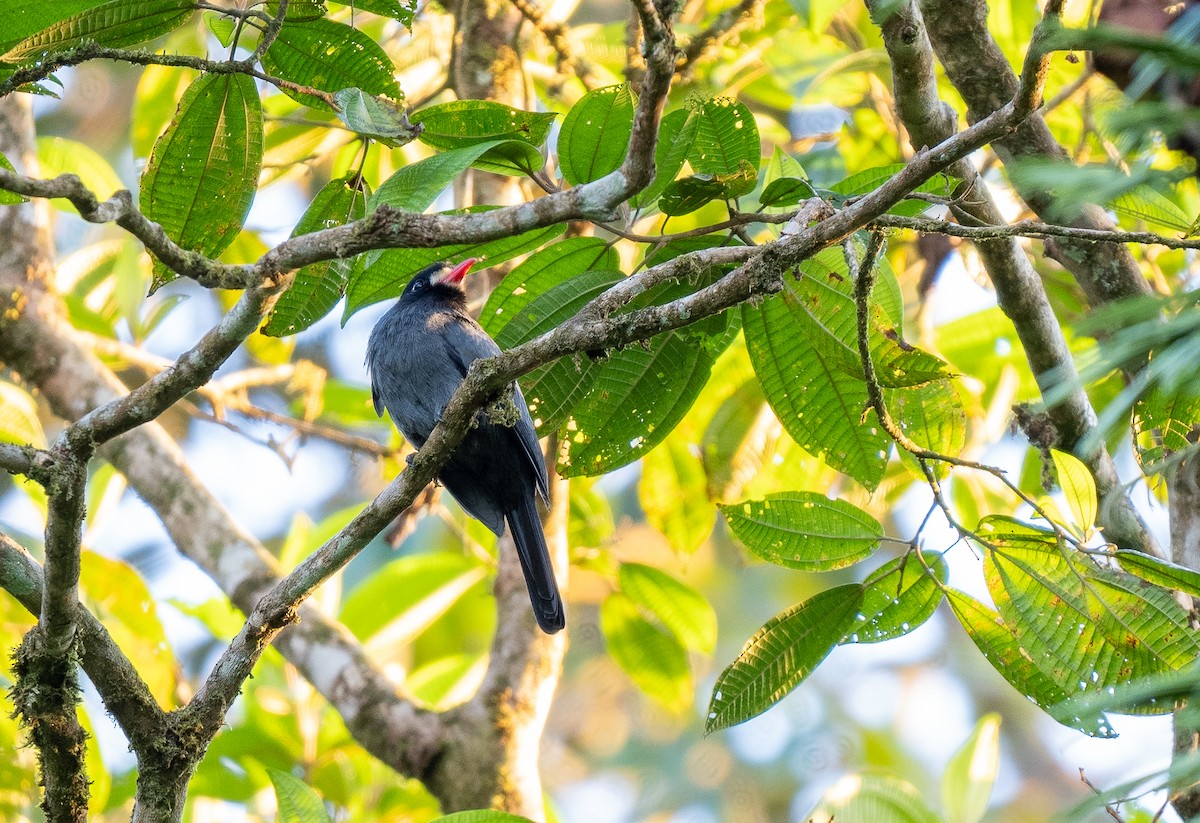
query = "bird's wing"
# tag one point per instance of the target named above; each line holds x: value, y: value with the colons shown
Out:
x: 529, y: 443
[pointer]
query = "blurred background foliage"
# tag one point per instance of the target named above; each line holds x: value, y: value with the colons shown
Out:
x: 661, y: 594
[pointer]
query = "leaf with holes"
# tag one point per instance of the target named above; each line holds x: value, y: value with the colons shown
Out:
x: 595, y: 134
x: 804, y: 530
x: 726, y: 142
x: 679, y: 607
x: 652, y: 657
x: 780, y: 655
x: 318, y: 287
x: 675, y: 136
x: 329, y: 56
x: 1000, y: 646
x: 639, y: 395
x: 115, y: 23
x: 1163, y: 425
x: 1087, y: 628
x: 203, y: 171
x: 818, y: 403
x: 897, y: 597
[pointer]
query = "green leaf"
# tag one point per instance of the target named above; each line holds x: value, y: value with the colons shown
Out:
x: 19, y: 421
x: 1079, y: 488
x: 682, y: 609
x: 897, y: 597
x: 58, y: 155
x: 23, y: 18
x: 409, y: 594
x: 298, y: 802
x: 595, y: 134
x: 870, y: 179
x: 319, y: 286
x: 481, y: 816
x: 653, y: 658
x: 685, y: 196
x: 780, y: 655
x: 996, y: 640
x: 872, y: 798
x: 383, y: 275
x: 1085, y: 627
x: 399, y: 10
x: 639, y: 395
x: 330, y: 56
x: 804, y: 530
x: 118, y: 597
x: 447, y: 681
x: 1159, y: 572
x: 726, y: 142
x: 159, y: 90
x: 115, y: 23
x: 467, y: 122
x: 971, y: 773
x: 203, y: 172
x: 932, y: 415
x: 549, y: 287
x: 1144, y: 203
x: 1163, y: 424
x: 786, y: 191
x: 675, y: 136
x: 818, y: 403
x: 374, y: 117
x: 673, y: 494
x: 414, y: 187
x: 8, y: 198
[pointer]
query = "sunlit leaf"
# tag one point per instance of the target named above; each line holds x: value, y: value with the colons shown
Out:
x: 298, y: 802
x: 780, y: 655
x: 874, y: 798
x: 804, y: 530
x: 1079, y: 488
x: 672, y: 491
x: 114, y: 23
x: 898, y: 597
x: 58, y: 155
x: 675, y: 136
x: 329, y: 56
x: 1159, y: 572
x: 19, y: 421
x: 595, y: 134
x: 726, y: 142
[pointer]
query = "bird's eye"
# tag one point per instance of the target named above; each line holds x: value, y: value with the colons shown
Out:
x: 417, y: 285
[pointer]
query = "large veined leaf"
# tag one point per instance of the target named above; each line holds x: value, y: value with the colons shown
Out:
x: 679, y: 607
x: 675, y: 136
x: 383, y: 275
x: 399, y: 10
x: 1144, y: 203
x: 804, y: 530
x: 652, y: 657
x: 1086, y: 628
x: 931, y: 415
x: 996, y: 640
x: 595, y: 134
x: 329, y: 56
x: 546, y: 289
x: 898, y: 597
x: 726, y: 141
x: 414, y: 187
x: 319, y: 286
x: 203, y: 171
x: 819, y: 404
x: 780, y: 655
x: 23, y: 18
x: 158, y: 93
x: 115, y: 23
x: 870, y: 179
x: 640, y: 393
x: 1159, y: 572
x: 872, y: 798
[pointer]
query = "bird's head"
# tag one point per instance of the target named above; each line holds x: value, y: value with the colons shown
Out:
x: 442, y: 280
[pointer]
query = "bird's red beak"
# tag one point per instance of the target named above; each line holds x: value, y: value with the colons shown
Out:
x: 456, y: 274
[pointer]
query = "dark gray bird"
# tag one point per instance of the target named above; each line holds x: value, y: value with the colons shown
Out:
x: 418, y: 355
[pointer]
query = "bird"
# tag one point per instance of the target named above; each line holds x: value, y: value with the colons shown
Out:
x: 417, y: 355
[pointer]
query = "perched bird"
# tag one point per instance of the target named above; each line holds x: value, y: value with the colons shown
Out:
x: 418, y: 355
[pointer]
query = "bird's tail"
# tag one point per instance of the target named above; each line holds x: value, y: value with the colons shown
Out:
x: 535, y: 563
